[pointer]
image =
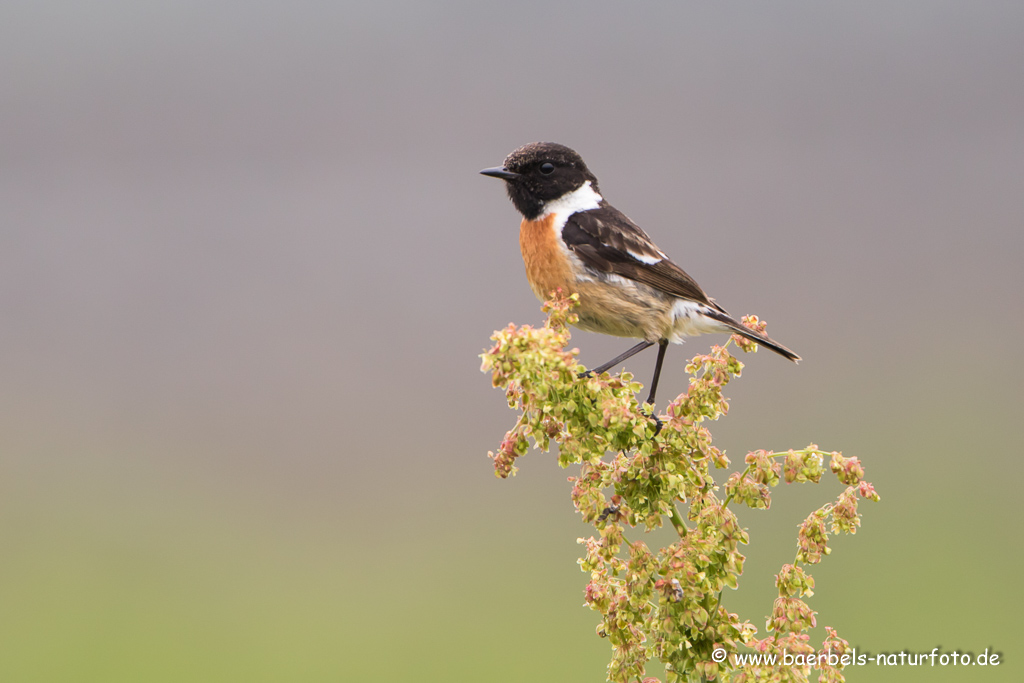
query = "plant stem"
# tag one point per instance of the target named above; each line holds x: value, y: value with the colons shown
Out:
x: 728, y: 499
x: 678, y: 523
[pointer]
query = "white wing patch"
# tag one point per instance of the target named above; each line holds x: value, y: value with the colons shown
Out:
x: 644, y: 258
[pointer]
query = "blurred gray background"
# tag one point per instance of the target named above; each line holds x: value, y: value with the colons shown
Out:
x: 247, y: 266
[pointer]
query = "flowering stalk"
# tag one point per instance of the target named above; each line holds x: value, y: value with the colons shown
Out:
x: 667, y: 603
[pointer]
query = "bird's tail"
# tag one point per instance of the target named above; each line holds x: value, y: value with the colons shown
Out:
x: 744, y: 331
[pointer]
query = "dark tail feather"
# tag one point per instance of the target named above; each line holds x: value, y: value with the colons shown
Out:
x: 744, y: 331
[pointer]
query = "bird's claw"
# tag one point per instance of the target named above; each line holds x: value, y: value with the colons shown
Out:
x: 657, y: 420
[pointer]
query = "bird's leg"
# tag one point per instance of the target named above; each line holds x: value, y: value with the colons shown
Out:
x: 618, y: 359
x: 662, y: 347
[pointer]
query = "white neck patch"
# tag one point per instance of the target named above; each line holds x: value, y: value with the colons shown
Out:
x: 584, y: 198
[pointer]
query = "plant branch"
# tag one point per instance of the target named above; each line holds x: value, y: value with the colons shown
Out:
x: 678, y: 523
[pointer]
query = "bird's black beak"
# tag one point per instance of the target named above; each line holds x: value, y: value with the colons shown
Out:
x: 499, y: 172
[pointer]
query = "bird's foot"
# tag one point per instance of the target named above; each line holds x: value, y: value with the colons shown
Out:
x: 654, y: 416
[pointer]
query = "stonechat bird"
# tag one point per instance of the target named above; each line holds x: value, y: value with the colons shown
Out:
x: 571, y: 238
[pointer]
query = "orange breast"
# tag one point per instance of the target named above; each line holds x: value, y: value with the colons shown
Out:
x: 547, y: 266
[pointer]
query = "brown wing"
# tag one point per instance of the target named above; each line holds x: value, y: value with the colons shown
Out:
x: 608, y: 242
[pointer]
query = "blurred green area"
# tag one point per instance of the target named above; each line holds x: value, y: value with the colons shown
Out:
x: 207, y: 592
x: 471, y: 576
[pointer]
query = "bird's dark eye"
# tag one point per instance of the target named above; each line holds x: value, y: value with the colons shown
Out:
x: 547, y: 168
